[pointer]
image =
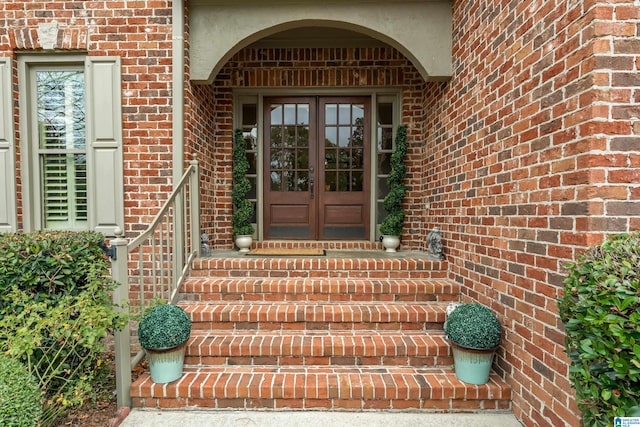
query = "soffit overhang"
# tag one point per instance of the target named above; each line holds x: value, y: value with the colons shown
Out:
x: 421, y: 30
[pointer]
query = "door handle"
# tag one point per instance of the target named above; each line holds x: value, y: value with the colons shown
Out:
x: 311, y: 181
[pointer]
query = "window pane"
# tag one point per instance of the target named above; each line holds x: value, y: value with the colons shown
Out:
x: 385, y: 114
x: 276, y: 114
x: 331, y: 114
x: 344, y: 114
x: 60, y: 109
x: 64, y: 184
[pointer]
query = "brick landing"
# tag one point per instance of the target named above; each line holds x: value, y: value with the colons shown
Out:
x: 344, y: 333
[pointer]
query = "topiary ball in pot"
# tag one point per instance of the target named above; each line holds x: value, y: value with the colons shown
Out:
x: 165, y: 326
x: 474, y: 326
x: 19, y: 395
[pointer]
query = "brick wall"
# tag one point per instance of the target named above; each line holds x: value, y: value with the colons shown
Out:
x: 140, y: 33
x: 316, y: 68
x: 532, y: 155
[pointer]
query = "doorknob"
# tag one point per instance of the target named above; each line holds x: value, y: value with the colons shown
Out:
x: 311, y: 181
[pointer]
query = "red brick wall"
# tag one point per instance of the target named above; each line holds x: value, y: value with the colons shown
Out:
x: 313, y: 68
x: 138, y: 31
x: 532, y: 155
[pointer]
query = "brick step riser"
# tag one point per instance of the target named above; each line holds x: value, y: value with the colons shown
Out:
x: 320, y: 274
x: 443, y: 405
x: 197, y: 360
x: 206, y: 297
x: 202, y: 325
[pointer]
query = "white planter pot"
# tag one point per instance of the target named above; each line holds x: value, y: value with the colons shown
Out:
x: 390, y: 243
x: 244, y: 243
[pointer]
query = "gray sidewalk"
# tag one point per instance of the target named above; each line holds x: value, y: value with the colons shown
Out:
x: 219, y: 418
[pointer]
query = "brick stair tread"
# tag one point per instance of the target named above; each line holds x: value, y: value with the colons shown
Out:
x: 344, y: 383
x: 321, y: 289
x: 318, y: 344
x: 315, y: 312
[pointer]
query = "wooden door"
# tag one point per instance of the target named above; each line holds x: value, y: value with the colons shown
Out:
x: 316, y: 168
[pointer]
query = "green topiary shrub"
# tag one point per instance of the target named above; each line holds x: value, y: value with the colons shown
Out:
x: 242, y: 208
x: 392, y: 224
x: 474, y: 326
x: 164, y: 326
x: 601, y: 312
x: 19, y: 395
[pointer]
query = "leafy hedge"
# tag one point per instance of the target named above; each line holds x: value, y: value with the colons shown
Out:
x: 601, y: 313
x: 19, y: 395
x: 55, y: 311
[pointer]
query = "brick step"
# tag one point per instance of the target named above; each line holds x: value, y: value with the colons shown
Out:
x: 361, y: 267
x: 316, y: 316
x: 318, y: 348
x: 318, y: 289
x: 354, y: 388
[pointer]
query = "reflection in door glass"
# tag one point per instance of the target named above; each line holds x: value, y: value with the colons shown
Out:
x: 290, y: 114
x: 357, y: 116
x: 345, y: 114
x: 276, y: 115
x: 331, y: 114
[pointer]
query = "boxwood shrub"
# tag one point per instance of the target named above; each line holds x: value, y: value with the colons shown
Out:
x: 601, y: 312
x: 19, y: 395
x: 165, y: 326
x: 474, y: 326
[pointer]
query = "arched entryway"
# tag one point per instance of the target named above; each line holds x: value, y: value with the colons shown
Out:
x: 316, y: 177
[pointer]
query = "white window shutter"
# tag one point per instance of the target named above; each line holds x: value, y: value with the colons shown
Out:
x: 8, y: 211
x: 105, y: 180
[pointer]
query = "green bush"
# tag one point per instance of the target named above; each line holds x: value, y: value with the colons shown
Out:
x: 165, y: 326
x: 392, y: 224
x: 19, y: 395
x: 601, y: 312
x: 242, y: 208
x: 55, y: 312
x: 474, y: 326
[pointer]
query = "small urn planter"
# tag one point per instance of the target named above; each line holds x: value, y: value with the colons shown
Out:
x: 474, y: 332
x: 163, y: 333
x: 390, y: 243
x: 243, y: 242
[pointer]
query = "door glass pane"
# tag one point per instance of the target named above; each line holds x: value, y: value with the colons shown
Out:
x: 357, y: 183
x: 276, y: 159
x: 276, y: 114
x: 345, y: 159
x: 330, y: 181
x: 357, y: 159
x: 330, y: 159
x: 290, y: 138
x: 357, y: 117
x: 303, y: 136
x: 302, y: 181
x: 343, y: 181
x: 302, y: 159
x: 330, y: 137
x: 331, y: 114
x: 344, y: 114
x: 289, y: 180
x: 357, y: 139
x: 276, y: 181
x: 344, y: 136
x: 276, y: 136
x: 290, y: 114
x: 303, y: 114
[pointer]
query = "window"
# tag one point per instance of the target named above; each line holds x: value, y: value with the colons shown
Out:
x: 62, y: 149
x: 71, y: 143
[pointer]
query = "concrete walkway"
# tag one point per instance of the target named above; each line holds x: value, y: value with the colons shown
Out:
x: 218, y: 418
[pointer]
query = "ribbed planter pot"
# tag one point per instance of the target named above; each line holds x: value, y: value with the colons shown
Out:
x: 390, y: 243
x: 166, y: 365
x: 472, y: 366
x: 244, y: 243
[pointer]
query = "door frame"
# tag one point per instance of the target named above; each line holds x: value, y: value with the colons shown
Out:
x: 256, y: 96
